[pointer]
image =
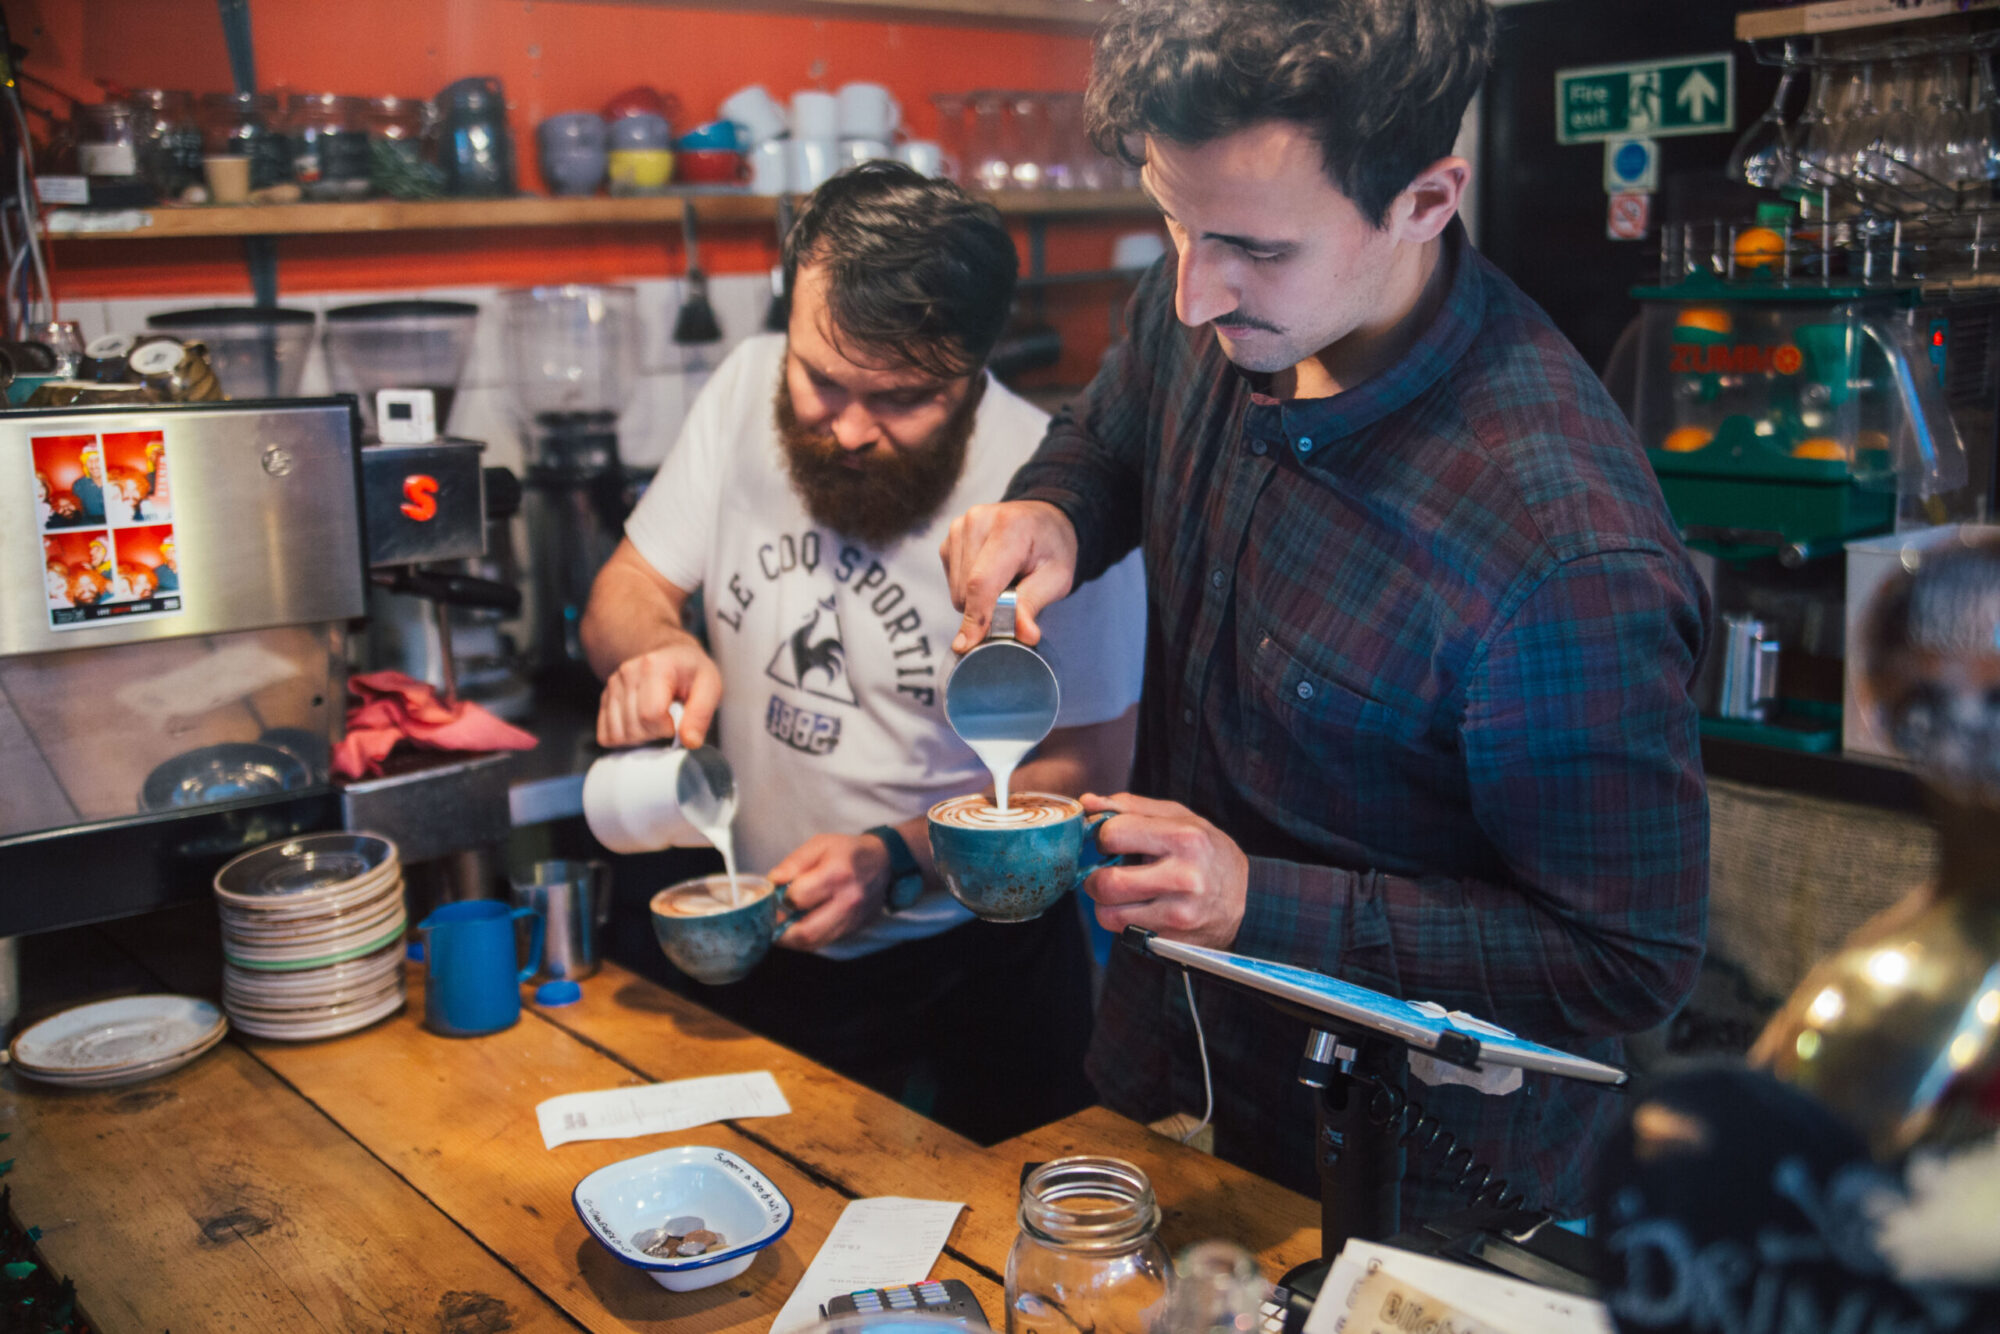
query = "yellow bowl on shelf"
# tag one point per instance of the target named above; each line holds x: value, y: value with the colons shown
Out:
x: 640, y: 171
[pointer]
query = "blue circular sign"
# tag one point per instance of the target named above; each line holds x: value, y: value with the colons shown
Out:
x: 1630, y: 161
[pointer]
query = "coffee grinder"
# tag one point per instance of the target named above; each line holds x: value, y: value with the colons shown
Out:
x: 418, y: 349
x: 572, y: 355
x: 1791, y: 398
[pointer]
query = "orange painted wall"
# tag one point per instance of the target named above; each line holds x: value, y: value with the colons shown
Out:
x: 551, y: 56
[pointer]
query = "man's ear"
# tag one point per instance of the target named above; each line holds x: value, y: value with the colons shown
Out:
x: 1430, y: 201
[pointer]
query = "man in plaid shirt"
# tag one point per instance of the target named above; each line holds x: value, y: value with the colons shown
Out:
x: 1416, y: 707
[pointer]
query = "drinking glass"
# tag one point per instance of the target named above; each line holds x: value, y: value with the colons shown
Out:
x: 986, y: 150
x: 951, y: 136
x: 1903, y: 154
x: 1763, y: 157
x: 1983, y: 107
x: 1855, y: 153
x: 1816, y: 127
x: 1960, y: 154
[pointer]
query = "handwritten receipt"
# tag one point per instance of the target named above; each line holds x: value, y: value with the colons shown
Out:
x: 874, y: 1244
x: 654, y: 1109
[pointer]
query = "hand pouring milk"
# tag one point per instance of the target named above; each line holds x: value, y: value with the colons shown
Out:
x: 1001, y: 699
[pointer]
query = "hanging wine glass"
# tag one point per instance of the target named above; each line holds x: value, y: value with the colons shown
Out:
x: 1987, y: 146
x: 1902, y: 153
x: 1815, y: 129
x: 1766, y: 155
x: 1960, y: 160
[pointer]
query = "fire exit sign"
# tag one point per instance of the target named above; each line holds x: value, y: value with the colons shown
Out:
x: 1653, y: 99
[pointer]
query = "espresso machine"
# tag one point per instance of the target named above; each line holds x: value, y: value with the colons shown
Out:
x: 173, y: 661
x: 172, y: 671
x: 572, y: 355
x: 1793, y: 398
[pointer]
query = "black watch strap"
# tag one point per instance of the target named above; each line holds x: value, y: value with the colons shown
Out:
x: 906, y: 881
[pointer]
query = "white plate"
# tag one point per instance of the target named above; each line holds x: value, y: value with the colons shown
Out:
x: 334, y: 977
x: 296, y: 909
x: 114, y: 1035
x: 317, y: 956
x: 332, y: 928
x: 296, y: 1032
x: 132, y: 1075
x: 331, y: 1006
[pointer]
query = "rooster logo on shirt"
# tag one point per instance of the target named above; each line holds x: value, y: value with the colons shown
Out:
x: 812, y: 658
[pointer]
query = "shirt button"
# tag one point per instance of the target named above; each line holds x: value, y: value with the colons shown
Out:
x: 1305, y: 444
x: 1216, y: 578
x: 1258, y: 447
x: 1187, y: 716
x: 1305, y: 690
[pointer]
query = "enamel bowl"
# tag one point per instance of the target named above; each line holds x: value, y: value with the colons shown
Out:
x: 626, y: 1205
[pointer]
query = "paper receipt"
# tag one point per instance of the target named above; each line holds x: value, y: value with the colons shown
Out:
x: 653, y: 1109
x: 874, y: 1244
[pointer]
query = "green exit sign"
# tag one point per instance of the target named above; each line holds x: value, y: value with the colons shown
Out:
x: 1651, y: 99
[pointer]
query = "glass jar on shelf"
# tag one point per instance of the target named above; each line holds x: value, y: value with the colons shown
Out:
x: 107, y: 145
x: 1088, y: 1256
x: 329, y: 145
x: 400, y: 130
x: 167, y: 139
x: 245, y: 125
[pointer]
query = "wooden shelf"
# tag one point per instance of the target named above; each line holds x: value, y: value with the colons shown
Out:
x: 1072, y: 17
x: 722, y: 207
x: 1845, y: 16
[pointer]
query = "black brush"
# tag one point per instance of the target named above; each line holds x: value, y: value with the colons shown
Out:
x: 696, y: 322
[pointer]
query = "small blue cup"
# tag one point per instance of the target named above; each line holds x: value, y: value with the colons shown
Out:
x: 718, y: 946
x: 1015, y: 874
x: 472, y: 981
x: 572, y: 152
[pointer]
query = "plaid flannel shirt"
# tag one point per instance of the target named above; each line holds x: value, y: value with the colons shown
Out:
x: 1423, y: 650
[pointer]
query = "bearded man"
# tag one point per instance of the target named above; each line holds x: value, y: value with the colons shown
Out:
x: 806, y: 497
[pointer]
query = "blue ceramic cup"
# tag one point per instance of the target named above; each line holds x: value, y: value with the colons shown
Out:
x: 572, y: 152
x: 715, y: 934
x: 473, y: 978
x: 1011, y: 868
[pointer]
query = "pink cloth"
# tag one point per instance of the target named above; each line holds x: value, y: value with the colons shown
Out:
x: 395, y: 708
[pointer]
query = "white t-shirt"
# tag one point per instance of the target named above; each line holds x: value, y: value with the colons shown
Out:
x: 834, y: 655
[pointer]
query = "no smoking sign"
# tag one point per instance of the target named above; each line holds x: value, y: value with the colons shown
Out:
x: 1629, y: 217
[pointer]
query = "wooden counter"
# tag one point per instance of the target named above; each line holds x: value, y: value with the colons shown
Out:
x: 392, y: 1179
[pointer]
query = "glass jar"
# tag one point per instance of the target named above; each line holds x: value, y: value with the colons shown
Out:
x: 400, y: 130
x: 168, y: 140
x: 1088, y: 1257
x: 245, y: 125
x: 329, y: 145
x: 106, y: 142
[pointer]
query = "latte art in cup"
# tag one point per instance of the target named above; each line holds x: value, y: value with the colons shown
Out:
x: 1025, y: 810
x: 714, y: 894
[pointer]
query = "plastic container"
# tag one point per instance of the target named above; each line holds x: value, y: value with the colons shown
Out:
x: 571, y: 349
x: 107, y: 146
x: 257, y: 351
x: 399, y: 345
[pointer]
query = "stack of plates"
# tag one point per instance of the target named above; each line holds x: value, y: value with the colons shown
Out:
x: 117, y: 1041
x: 312, y: 936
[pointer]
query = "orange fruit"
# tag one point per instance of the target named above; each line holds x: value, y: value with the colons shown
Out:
x: 1713, y: 319
x: 1823, y: 447
x: 1687, y: 439
x: 1759, y: 247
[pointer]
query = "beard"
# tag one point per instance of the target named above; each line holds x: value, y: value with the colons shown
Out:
x: 878, y: 500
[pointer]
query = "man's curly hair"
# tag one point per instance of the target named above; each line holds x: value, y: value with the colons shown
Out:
x: 1381, y: 84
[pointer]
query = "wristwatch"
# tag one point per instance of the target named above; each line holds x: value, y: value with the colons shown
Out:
x: 906, y: 882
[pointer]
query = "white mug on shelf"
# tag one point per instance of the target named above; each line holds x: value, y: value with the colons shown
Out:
x: 815, y: 115
x: 756, y: 111
x: 922, y: 156
x: 770, y: 167
x: 867, y: 111
x: 812, y: 162
x: 854, y: 152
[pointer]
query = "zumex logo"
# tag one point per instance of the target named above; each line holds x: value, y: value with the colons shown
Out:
x: 1741, y: 359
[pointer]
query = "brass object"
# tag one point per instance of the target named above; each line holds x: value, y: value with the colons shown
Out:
x: 1899, y: 1031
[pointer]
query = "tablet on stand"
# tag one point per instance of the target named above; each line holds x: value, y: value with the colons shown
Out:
x: 1356, y: 1054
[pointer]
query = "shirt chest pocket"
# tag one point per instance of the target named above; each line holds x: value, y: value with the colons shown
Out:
x: 1302, y: 724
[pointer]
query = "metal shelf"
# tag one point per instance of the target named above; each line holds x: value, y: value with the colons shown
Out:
x: 385, y: 215
x: 1845, y: 16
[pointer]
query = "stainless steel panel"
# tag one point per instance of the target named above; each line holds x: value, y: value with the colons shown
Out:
x: 440, y: 807
x: 424, y: 502
x: 266, y: 520
x: 81, y: 735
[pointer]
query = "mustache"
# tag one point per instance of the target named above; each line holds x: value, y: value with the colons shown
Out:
x: 1238, y: 319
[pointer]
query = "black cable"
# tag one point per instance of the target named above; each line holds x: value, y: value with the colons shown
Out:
x: 1394, y: 1109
